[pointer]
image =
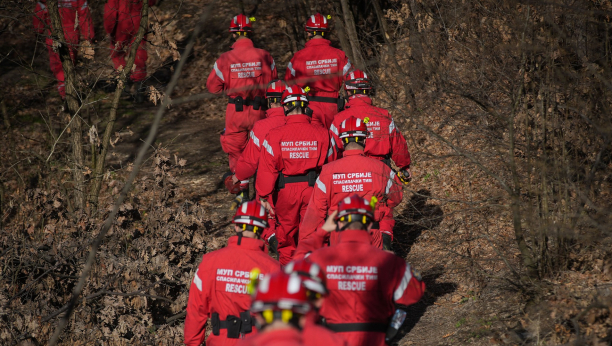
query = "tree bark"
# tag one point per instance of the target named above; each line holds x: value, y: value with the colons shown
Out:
x: 351, y: 31
x: 98, y: 173
x: 72, y: 100
x: 341, y: 31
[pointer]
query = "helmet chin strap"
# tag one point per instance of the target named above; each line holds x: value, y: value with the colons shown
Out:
x: 239, y: 237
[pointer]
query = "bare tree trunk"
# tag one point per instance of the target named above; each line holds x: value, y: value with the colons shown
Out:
x: 73, y: 102
x: 341, y: 31
x: 99, y: 169
x: 351, y: 31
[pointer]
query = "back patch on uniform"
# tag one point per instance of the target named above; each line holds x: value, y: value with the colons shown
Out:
x: 233, y: 281
x: 246, y: 70
x: 352, y: 278
x: 351, y: 182
x: 299, y: 149
x: 321, y: 67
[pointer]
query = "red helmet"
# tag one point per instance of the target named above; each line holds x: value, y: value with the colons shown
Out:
x: 294, y: 93
x: 280, y: 291
x: 357, y: 80
x: 355, y: 205
x: 313, y: 277
x: 317, y: 22
x: 275, y: 90
x: 240, y: 23
x: 352, y: 127
x: 251, y: 213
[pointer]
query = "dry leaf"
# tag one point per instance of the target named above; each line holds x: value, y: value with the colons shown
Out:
x: 86, y: 50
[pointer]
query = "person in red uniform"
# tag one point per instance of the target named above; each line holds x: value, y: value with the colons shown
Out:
x: 319, y: 68
x: 121, y: 22
x: 313, y: 279
x: 385, y: 141
x: 364, y: 282
x: 69, y: 11
x: 242, y: 74
x: 354, y: 173
x: 279, y: 303
x: 219, y: 288
x: 294, y: 154
x: 249, y: 160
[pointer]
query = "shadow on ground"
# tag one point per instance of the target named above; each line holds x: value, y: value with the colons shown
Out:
x: 415, y: 218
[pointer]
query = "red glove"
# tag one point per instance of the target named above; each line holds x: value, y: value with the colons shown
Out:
x: 231, y: 187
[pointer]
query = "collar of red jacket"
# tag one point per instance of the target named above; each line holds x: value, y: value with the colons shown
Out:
x: 275, y: 112
x: 246, y: 243
x: 353, y: 152
x: 318, y: 42
x: 358, y: 100
x: 243, y: 43
x: 298, y: 118
x: 354, y: 236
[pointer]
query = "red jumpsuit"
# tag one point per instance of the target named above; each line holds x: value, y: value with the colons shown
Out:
x: 320, y: 67
x: 353, y: 174
x: 121, y: 22
x: 249, y: 160
x: 279, y: 337
x: 317, y: 335
x: 219, y: 286
x: 68, y: 10
x: 243, y: 71
x: 385, y: 140
x: 294, y: 149
x: 364, y: 283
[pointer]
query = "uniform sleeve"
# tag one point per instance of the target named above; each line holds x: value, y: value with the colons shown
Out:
x: 110, y: 16
x: 346, y: 66
x: 399, y: 147
x: 216, y: 80
x: 248, y: 161
x: 290, y: 73
x: 198, y: 308
x: 39, y: 18
x: 85, y: 23
x: 274, y: 71
x: 268, y: 168
x: 317, y: 207
x: 313, y: 242
x: 408, y: 288
x: 393, y: 189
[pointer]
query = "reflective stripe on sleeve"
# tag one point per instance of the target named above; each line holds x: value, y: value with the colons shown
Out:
x: 399, y: 291
x: 390, y: 182
x: 219, y: 73
x: 268, y: 147
x: 84, y: 6
x: 334, y: 129
x: 273, y: 66
x: 255, y: 139
x: 391, y: 126
x: 290, y: 67
x: 321, y: 185
x: 197, y: 281
x: 332, y: 144
x: 347, y: 67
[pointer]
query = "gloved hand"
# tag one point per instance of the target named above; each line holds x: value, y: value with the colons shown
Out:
x: 273, y: 243
x: 386, y: 242
x: 405, y: 175
x: 233, y: 188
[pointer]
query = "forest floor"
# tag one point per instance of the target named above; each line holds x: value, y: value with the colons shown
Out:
x: 455, y: 310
